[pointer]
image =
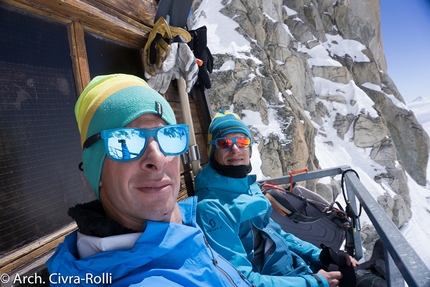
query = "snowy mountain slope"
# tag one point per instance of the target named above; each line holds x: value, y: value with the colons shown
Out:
x: 331, y: 150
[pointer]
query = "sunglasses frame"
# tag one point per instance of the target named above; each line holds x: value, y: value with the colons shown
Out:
x: 234, y: 142
x: 105, y: 135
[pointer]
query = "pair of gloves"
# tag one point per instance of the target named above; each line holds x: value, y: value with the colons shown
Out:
x: 166, y: 55
x: 179, y: 62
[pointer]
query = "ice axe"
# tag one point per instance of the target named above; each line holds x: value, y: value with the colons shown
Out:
x: 176, y: 14
x: 176, y: 11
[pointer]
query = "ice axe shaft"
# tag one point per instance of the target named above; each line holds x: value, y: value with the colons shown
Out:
x: 176, y: 14
x: 186, y: 113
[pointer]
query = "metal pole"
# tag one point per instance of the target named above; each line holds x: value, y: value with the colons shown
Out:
x: 410, y: 265
x: 186, y: 113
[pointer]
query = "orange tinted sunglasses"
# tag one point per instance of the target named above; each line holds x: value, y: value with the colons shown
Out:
x: 227, y: 143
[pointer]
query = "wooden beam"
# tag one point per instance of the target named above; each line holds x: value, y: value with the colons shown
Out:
x: 115, y: 26
x: 78, y: 53
x: 142, y: 11
x: 22, y: 256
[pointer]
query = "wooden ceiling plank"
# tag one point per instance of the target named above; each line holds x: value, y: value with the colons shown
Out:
x: 92, y: 18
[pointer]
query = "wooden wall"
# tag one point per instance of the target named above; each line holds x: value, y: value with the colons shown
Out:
x: 129, y: 23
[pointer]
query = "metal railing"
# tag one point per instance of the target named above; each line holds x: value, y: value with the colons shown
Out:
x: 402, y: 262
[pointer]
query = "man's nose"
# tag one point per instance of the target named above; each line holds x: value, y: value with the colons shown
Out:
x: 235, y: 147
x: 153, y: 157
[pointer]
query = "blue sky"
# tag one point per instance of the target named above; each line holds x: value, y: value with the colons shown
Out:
x: 406, y: 38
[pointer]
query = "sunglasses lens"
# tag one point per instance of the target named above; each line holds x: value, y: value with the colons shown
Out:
x: 173, y: 140
x: 224, y: 143
x: 243, y: 142
x: 125, y: 144
x: 227, y: 143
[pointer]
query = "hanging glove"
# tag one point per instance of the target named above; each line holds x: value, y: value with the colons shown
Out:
x: 206, y: 68
x: 158, y: 52
x: 198, y: 45
x: 180, y: 35
x: 163, y: 76
x: 161, y: 81
x: 158, y: 45
x: 186, y: 66
x: 171, y: 58
x: 151, y: 56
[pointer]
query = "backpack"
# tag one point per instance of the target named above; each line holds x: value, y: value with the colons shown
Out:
x: 312, y: 218
x: 308, y: 215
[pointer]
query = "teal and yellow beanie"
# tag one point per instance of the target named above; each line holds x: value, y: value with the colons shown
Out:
x: 224, y: 123
x: 113, y: 101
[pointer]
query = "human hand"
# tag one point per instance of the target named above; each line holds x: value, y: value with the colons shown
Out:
x: 349, y: 260
x: 332, y: 277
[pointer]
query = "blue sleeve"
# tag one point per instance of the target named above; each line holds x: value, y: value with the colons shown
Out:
x: 222, y: 233
x: 306, y: 250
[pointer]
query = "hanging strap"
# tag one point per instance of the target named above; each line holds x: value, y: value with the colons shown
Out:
x: 292, y: 183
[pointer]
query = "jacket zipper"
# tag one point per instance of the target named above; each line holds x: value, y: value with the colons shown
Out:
x: 215, y: 262
x: 240, y: 273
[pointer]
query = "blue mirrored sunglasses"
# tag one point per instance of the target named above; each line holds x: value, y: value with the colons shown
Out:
x: 125, y: 144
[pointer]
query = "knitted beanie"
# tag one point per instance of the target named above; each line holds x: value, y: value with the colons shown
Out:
x: 224, y: 123
x: 113, y: 101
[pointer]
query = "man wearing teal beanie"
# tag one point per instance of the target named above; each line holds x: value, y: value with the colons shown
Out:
x: 235, y: 216
x: 135, y: 232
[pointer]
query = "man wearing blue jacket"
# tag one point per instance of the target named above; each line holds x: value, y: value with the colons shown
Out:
x: 235, y: 216
x: 135, y: 233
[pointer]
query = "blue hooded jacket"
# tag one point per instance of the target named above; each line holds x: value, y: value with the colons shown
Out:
x: 235, y: 216
x: 166, y: 254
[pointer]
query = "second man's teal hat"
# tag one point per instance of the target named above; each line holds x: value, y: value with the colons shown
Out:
x: 224, y: 123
